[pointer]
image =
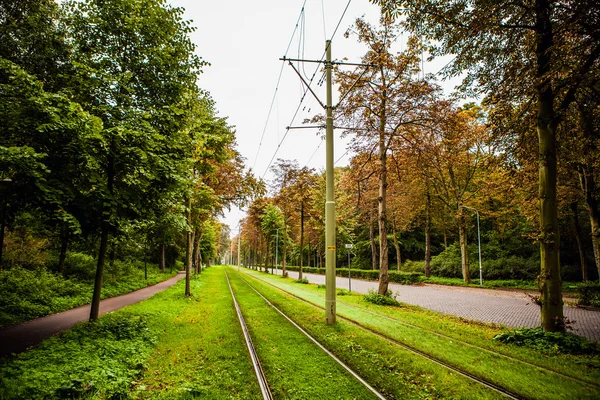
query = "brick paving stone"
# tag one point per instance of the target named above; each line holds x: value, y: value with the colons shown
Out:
x: 512, y: 309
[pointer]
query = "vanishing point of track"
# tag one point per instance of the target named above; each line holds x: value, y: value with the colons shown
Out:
x: 442, y: 363
x: 262, y: 380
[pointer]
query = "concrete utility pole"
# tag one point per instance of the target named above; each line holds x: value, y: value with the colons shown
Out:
x: 330, y: 252
x: 239, y: 242
x: 330, y: 255
x: 277, y: 251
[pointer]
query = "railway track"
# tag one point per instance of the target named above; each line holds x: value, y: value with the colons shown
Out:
x: 260, y: 375
x: 490, y: 385
x: 454, y: 339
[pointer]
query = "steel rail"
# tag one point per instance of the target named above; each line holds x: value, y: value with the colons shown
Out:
x: 260, y: 375
x: 495, y: 353
x: 457, y: 370
x: 315, y: 341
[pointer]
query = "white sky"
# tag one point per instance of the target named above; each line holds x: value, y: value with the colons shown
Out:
x: 243, y: 41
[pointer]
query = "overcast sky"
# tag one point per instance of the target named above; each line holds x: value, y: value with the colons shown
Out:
x: 243, y: 41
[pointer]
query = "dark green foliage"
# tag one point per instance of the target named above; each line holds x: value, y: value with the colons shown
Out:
x: 105, y: 356
x: 589, y: 294
x: 303, y: 281
x: 382, y: 300
x: 405, y: 278
x: 549, y: 342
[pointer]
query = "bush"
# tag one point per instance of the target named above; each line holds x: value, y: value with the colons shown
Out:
x: 379, y: 299
x: 589, y: 294
x: 303, y: 281
x: 404, y: 278
x: 80, y: 265
x: 549, y: 342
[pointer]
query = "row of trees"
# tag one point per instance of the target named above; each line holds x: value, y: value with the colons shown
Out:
x: 421, y: 162
x: 106, y: 137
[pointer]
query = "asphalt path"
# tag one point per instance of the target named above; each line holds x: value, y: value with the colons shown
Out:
x: 512, y: 309
x: 18, y: 338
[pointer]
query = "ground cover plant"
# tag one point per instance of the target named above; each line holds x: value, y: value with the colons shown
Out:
x: 549, y: 342
x: 26, y: 294
x: 294, y: 366
x: 144, y: 350
x: 469, y: 345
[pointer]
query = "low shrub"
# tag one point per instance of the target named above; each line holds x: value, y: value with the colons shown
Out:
x: 405, y: 278
x: 549, y: 342
x: 303, y: 281
x: 383, y: 300
x: 589, y: 294
x: 106, y: 356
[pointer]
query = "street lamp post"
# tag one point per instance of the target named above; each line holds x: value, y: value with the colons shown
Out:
x: 478, y: 243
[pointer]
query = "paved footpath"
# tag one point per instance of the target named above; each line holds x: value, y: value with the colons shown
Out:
x: 509, y: 308
x: 18, y: 338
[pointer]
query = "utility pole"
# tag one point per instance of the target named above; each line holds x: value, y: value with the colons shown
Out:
x: 330, y: 254
x: 330, y: 248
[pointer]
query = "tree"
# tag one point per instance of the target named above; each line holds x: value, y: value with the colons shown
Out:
x: 532, y: 38
x: 382, y: 101
x: 133, y: 64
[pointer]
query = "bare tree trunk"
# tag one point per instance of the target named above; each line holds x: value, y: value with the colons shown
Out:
x: 383, y: 242
x: 588, y: 186
x: 551, y: 291
x: 577, y: 227
x: 372, y: 238
x: 464, y: 250
x: 64, y: 246
x: 428, y: 236
x: 284, y: 272
x: 163, y: 260
x: 445, y: 239
x: 396, y: 246
x: 309, y: 255
x: 196, y: 251
x: 188, y: 253
x: 95, y: 307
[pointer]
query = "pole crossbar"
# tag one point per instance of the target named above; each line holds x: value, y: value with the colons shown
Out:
x: 325, y: 61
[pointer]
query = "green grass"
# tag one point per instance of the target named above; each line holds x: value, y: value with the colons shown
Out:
x: 26, y: 294
x: 520, y: 377
x: 168, y: 346
x: 396, y: 372
x: 294, y: 366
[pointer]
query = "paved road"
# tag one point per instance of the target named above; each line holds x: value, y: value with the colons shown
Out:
x: 18, y: 338
x: 510, y: 308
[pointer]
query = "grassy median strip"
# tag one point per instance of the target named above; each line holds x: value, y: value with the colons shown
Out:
x: 294, y: 366
x: 395, y: 372
x: 522, y: 378
x: 167, y: 346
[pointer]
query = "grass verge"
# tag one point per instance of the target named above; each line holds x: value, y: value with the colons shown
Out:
x: 167, y: 346
x: 27, y: 294
x: 421, y: 329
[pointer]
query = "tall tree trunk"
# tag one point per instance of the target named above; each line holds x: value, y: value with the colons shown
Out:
x: 163, y: 259
x: 196, y: 251
x: 188, y: 252
x: 95, y: 307
x: 372, y: 239
x: 464, y: 250
x: 309, y: 255
x: 396, y: 246
x: 64, y: 246
x: 301, y: 235
x: 551, y: 291
x: 383, y: 242
x: 445, y: 239
x: 582, y: 261
x: 588, y: 186
x: 428, y: 235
